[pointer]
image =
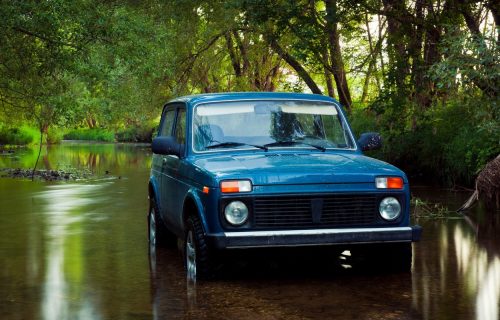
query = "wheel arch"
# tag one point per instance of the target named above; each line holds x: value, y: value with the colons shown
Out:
x: 193, y: 206
x: 153, y: 190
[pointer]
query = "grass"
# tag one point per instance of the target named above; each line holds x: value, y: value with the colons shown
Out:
x: 103, y: 135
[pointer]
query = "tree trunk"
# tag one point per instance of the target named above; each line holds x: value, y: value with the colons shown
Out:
x: 329, y: 83
x: 366, y: 83
x: 336, y: 61
x: 494, y: 7
x: 418, y: 79
x: 232, y: 54
x: 396, y: 44
x: 487, y: 186
x: 243, y: 52
x: 43, y: 129
x: 271, y: 77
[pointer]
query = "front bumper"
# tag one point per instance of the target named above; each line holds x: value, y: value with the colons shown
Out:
x: 313, y: 237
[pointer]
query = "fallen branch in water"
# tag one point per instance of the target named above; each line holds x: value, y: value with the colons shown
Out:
x: 428, y: 209
x: 487, y: 186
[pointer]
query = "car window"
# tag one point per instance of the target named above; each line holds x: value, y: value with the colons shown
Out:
x: 167, y: 124
x: 180, y: 128
x: 273, y: 124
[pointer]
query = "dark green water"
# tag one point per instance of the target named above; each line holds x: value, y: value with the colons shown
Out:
x: 78, y: 250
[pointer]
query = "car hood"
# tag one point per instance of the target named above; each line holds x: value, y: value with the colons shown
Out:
x: 297, y: 168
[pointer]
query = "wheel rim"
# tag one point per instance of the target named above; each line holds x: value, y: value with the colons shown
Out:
x: 152, y: 227
x: 190, y: 257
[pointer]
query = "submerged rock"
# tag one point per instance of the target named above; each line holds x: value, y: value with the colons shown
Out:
x: 47, y: 175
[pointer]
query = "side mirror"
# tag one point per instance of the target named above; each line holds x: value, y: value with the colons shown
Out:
x: 166, y: 145
x: 370, y: 141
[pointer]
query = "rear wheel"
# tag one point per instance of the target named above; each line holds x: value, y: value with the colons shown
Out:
x: 157, y: 232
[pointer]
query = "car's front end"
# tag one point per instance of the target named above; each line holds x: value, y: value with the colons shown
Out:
x: 288, y: 172
x: 280, y: 206
x: 264, y: 170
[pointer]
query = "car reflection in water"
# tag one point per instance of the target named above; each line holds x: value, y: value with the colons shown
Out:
x: 172, y: 294
x: 277, y: 284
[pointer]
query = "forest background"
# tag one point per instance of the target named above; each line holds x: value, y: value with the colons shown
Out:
x: 423, y: 73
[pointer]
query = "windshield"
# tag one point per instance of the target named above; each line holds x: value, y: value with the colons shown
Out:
x: 269, y: 124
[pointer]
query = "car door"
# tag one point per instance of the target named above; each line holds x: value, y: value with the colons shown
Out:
x: 175, y: 186
x: 158, y: 168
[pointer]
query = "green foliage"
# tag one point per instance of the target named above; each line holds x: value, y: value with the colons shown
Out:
x: 135, y: 134
x: 470, y: 62
x: 451, y: 143
x: 414, y: 71
x: 54, y: 135
x: 102, y: 135
x: 23, y: 135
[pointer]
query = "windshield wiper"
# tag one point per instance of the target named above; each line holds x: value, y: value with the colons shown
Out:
x: 293, y: 142
x: 230, y: 144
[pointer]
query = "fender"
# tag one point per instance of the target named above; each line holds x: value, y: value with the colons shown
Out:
x: 193, y: 195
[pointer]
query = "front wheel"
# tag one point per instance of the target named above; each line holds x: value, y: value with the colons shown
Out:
x: 198, y: 261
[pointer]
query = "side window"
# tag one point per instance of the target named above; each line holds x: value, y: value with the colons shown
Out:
x: 180, y: 128
x: 167, y: 124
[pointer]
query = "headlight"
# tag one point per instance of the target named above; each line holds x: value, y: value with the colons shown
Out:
x: 236, y: 213
x: 389, y: 208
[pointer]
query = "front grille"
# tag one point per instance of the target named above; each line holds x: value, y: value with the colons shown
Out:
x: 326, y: 211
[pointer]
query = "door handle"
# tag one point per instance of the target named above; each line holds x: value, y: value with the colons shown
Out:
x: 164, y: 160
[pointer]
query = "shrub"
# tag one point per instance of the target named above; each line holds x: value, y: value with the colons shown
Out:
x: 54, y: 135
x: 134, y: 134
x: 90, y: 135
x: 450, y: 142
x: 23, y: 135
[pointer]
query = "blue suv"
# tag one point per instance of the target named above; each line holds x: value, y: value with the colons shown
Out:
x: 255, y: 170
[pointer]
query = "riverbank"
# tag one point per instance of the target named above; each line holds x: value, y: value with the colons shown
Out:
x: 27, y: 135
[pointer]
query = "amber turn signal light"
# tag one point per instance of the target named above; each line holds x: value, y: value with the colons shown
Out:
x: 389, y: 182
x: 235, y: 186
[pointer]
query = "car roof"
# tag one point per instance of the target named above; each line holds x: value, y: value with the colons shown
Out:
x: 231, y: 96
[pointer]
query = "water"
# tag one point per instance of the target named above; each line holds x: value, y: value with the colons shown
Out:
x: 79, y: 250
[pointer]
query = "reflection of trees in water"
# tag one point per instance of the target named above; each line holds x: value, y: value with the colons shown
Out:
x: 466, y: 279
x: 94, y: 157
x: 63, y: 292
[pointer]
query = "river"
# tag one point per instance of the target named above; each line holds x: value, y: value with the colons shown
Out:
x: 79, y: 250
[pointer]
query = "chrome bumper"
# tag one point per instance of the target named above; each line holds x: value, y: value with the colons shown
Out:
x: 313, y: 237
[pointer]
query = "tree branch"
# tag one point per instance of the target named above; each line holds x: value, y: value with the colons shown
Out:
x: 302, y: 73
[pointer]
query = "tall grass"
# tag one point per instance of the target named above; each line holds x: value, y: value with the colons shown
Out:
x: 103, y: 135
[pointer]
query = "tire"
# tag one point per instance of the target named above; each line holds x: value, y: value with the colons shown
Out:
x: 158, y: 234
x: 197, y: 258
x: 391, y: 257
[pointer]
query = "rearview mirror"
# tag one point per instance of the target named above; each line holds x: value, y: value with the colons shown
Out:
x: 166, y: 145
x: 370, y: 141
